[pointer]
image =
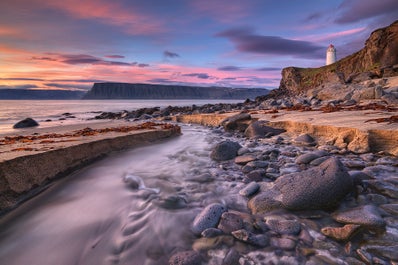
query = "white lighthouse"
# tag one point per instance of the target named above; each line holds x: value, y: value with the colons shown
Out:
x: 330, y: 55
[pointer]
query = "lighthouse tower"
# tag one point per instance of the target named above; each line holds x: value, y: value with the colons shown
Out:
x: 330, y: 55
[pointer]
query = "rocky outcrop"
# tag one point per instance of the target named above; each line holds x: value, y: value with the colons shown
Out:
x: 150, y: 91
x: 379, y: 58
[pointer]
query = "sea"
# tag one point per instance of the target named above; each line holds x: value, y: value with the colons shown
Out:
x: 49, y: 113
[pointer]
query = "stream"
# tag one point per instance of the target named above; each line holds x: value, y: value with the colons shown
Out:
x: 133, y: 207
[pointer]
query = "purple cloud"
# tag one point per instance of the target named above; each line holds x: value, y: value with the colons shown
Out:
x: 246, y: 41
x: 142, y: 65
x: 267, y: 69
x: 198, y: 75
x: 229, y: 68
x: 115, y: 56
x: 169, y: 54
x: 357, y: 10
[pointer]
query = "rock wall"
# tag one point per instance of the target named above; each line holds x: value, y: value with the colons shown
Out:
x: 379, y: 58
x: 149, y: 91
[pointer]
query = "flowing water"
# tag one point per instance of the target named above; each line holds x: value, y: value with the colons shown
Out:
x: 133, y: 207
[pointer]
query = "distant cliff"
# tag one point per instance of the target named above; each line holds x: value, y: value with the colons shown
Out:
x: 149, y: 91
x: 39, y: 94
x: 379, y: 58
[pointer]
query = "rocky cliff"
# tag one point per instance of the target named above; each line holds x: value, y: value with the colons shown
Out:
x: 379, y: 58
x: 149, y: 91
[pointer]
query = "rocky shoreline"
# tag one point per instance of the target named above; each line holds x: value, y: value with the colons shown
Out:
x: 306, y: 204
x: 306, y: 200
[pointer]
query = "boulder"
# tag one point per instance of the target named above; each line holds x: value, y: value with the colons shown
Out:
x: 259, y: 129
x: 225, y: 150
x: 26, y: 123
x: 208, y: 218
x: 236, y: 122
x: 320, y: 187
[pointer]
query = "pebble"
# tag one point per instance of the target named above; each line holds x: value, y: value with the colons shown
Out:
x: 208, y: 218
x: 258, y: 164
x: 285, y: 243
x: 260, y: 240
x: 256, y: 175
x: 306, y: 158
x: 250, y: 189
x: 230, y: 222
x: 186, y: 258
x: 211, y: 232
x: 340, y: 233
x: 284, y: 227
x: 244, y: 159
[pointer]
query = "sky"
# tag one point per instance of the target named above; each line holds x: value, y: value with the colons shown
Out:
x: 70, y: 44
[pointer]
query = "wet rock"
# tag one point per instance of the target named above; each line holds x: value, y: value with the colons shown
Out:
x: 230, y: 222
x: 236, y: 122
x: 172, y: 202
x: 390, y: 208
x: 284, y: 227
x: 133, y: 182
x: 340, y: 233
x: 26, y: 123
x: 231, y: 258
x: 208, y: 218
x: 366, y: 215
x: 318, y: 161
x: 258, y: 164
x: 186, y: 258
x: 306, y: 158
x: 250, y: 189
x: 202, y: 178
x: 285, y: 243
x: 390, y: 252
x: 319, y: 187
x: 256, y: 175
x: 260, y: 240
x: 387, y: 160
x: 304, y: 139
x: 244, y: 159
x: 259, y: 129
x: 383, y: 187
x: 225, y: 150
x: 211, y: 232
x: 306, y: 237
x: 265, y: 201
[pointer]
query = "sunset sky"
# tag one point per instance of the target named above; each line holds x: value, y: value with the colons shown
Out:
x: 69, y: 44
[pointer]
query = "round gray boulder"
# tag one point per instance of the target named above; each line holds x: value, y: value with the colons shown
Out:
x: 321, y: 187
x: 208, y: 218
x: 225, y: 150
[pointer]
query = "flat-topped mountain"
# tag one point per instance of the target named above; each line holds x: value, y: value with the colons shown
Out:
x: 13, y: 94
x: 151, y: 91
x: 379, y: 58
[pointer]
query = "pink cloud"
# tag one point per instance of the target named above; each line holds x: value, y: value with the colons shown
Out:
x: 332, y: 35
x: 113, y: 13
